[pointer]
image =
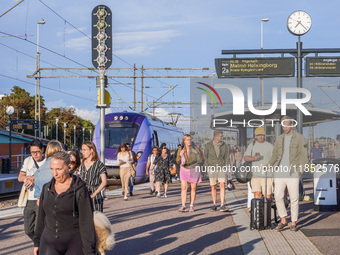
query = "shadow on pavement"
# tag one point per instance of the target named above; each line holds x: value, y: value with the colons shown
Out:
x: 162, y: 237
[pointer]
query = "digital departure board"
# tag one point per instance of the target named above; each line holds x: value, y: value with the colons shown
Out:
x: 323, y: 66
x: 254, y: 67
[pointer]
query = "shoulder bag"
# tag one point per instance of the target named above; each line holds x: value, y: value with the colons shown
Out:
x: 23, y: 197
x: 133, y: 167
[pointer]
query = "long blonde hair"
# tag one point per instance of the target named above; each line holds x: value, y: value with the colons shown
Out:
x: 185, y: 137
x: 52, y: 147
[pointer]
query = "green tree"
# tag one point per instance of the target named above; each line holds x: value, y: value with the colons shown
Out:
x: 24, y: 106
x: 67, y: 115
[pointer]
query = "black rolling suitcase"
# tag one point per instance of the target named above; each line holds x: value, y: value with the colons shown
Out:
x: 260, y: 217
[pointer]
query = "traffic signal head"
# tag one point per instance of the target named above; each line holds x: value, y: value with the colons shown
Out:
x: 101, y: 37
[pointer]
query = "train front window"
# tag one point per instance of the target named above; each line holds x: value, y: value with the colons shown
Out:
x: 120, y: 132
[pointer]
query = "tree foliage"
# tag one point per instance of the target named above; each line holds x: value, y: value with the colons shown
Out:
x: 24, y: 106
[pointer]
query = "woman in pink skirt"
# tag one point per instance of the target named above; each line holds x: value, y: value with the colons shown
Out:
x: 188, y: 158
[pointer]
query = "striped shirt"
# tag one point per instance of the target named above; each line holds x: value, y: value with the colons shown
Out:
x: 92, y: 177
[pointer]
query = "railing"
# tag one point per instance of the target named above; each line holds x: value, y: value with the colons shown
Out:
x: 17, y: 161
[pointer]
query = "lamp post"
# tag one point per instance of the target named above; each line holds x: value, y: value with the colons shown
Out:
x: 75, y: 129
x: 56, y: 128
x: 10, y: 110
x: 65, y: 125
x: 90, y: 134
x: 262, y: 81
x: 37, y: 81
x: 83, y: 134
x: 117, y: 103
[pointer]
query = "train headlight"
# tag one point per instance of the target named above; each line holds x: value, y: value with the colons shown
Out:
x: 121, y: 117
x: 139, y: 154
x: 126, y: 118
x: 115, y: 118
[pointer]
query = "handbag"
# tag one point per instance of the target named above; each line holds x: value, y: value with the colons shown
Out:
x: 133, y: 167
x: 173, y: 170
x: 23, y: 197
x: 244, y: 174
x: 133, y: 170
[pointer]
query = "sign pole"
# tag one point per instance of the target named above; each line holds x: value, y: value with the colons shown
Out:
x: 10, y: 143
x: 299, y: 117
x: 102, y: 114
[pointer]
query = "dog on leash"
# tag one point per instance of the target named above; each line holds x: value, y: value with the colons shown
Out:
x: 105, y: 238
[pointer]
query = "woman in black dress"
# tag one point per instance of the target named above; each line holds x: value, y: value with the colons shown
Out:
x: 162, y: 173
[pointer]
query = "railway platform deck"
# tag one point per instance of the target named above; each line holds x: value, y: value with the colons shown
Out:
x: 148, y: 225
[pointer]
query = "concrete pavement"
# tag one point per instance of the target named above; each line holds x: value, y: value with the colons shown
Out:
x: 149, y: 225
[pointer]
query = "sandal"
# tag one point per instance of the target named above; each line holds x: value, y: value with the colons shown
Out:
x: 281, y: 226
x: 293, y: 228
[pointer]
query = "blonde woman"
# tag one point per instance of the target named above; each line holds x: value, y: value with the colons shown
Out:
x: 93, y: 172
x: 188, y: 158
x: 43, y: 174
x: 65, y: 222
x: 124, y: 159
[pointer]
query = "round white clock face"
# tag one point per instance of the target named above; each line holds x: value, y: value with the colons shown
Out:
x: 10, y: 110
x: 299, y: 23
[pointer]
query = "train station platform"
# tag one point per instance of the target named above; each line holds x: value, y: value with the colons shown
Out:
x: 148, y: 225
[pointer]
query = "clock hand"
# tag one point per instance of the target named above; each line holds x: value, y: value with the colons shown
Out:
x: 303, y: 26
x: 298, y: 23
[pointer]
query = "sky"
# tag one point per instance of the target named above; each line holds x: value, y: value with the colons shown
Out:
x: 155, y: 34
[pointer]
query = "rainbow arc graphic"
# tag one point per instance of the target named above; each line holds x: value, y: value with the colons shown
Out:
x: 204, y: 97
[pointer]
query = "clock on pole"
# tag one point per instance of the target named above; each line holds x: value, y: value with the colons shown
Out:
x: 299, y: 23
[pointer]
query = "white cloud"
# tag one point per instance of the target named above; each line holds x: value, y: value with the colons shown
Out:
x: 155, y: 24
x: 91, y: 115
x: 79, y: 44
x: 142, y: 43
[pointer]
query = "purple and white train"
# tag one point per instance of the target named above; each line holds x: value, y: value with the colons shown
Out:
x: 142, y: 132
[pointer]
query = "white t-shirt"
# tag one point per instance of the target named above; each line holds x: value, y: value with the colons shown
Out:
x: 152, y: 159
x: 126, y: 159
x: 265, y: 150
x: 29, y: 168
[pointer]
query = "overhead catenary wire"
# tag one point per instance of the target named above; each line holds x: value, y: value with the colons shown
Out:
x: 76, y: 62
x: 91, y: 39
x: 33, y: 84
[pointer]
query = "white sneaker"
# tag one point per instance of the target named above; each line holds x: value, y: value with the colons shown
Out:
x: 125, y: 198
x: 164, y: 195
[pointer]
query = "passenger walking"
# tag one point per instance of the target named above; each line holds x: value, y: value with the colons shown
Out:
x: 124, y: 159
x: 150, y: 172
x: 238, y: 157
x: 217, y: 161
x: 179, y: 148
x: 290, y: 155
x: 316, y: 152
x: 75, y: 161
x: 188, y: 158
x: 65, y: 223
x: 93, y: 172
x: 134, y: 162
x: 162, y: 173
x: 26, y: 175
x: 43, y: 174
x: 259, y: 154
